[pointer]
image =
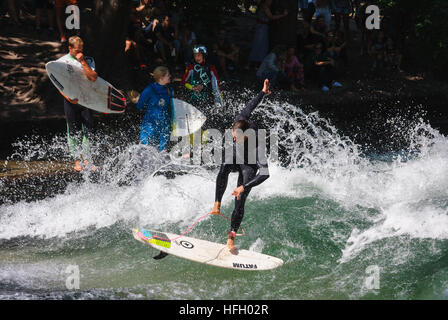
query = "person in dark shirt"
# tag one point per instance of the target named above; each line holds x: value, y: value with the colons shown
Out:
x: 225, y: 53
x: 251, y: 165
x: 322, y: 67
x: 377, y: 49
x: 306, y: 41
x: 337, y: 47
x: 150, y: 35
x: 167, y: 39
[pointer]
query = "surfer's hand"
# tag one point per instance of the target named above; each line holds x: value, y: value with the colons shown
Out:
x: 74, y: 101
x: 79, y: 56
x: 198, y: 88
x: 216, y: 208
x: 266, y: 89
x: 237, y: 192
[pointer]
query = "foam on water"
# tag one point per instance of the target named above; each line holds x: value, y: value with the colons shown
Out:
x: 401, y: 194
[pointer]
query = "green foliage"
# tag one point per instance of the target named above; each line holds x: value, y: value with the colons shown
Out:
x: 424, y: 27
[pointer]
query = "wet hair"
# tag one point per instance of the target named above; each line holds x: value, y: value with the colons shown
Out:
x: 73, y: 41
x: 159, y: 72
x: 243, y: 125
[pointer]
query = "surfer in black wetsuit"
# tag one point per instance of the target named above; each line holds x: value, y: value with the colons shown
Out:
x: 252, y: 165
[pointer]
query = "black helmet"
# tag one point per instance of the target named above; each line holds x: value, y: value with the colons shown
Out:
x: 200, y: 49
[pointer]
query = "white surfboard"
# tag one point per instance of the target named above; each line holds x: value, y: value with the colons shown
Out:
x: 186, y: 119
x: 99, y: 95
x: 206, y: 252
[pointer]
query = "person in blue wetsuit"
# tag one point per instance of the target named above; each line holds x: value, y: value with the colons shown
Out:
x: 155, y: 100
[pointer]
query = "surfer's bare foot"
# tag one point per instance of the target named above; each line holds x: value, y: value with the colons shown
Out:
x: 231, y: 246
x: 78, y: 166
x: 216, y: 208
x: 89, y: 166
x: 231, y: 243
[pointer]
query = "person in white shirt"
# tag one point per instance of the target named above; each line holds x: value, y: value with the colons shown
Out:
x: 79, y: 118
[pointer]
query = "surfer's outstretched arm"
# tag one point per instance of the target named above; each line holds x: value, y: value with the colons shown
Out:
x: 246, y: 112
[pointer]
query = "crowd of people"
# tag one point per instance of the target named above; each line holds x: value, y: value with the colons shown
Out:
x: 159, y: 33
x: 320, y: 55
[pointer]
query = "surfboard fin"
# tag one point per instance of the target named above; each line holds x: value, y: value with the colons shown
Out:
x: 161, y: 255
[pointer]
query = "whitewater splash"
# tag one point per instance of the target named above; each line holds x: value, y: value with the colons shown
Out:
x: 402, y: 193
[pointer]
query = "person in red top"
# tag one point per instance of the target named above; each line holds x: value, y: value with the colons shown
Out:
x: 202, y: 80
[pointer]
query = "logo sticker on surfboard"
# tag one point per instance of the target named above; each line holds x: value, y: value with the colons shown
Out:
x: 186, y: 244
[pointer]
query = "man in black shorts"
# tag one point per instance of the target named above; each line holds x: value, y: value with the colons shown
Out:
x: 251, y: 165
x: 79, y: 118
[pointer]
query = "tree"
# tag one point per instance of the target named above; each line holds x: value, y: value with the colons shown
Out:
x: 103, y: 30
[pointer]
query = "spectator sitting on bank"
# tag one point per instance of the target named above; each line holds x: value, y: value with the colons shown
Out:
x: 150, y: 35
x: 144, y: 11
x: 271, y: 67
x: 306, y: 41
x: 336, y: 48
x: 393, y: 55
x: 188, y: 40
x: 321, y: 66
x: 341, y: 42
x: 226, y: 53
x: 294, y: 71
x: 320, y: 29
x: 167, y: 45
x: 377, y: 49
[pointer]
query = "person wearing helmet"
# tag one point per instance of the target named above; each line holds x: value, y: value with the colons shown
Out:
x: 202, y: 80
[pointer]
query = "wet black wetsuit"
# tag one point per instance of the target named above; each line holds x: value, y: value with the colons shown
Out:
x: 250, y: 174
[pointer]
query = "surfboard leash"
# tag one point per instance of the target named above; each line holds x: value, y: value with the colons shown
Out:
x: 191, y: 227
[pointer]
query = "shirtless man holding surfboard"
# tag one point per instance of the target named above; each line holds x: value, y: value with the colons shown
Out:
x: 79, y: 118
